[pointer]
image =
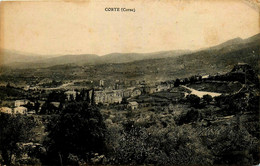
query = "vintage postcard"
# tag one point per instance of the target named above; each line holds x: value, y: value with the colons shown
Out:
x: 129, y: 82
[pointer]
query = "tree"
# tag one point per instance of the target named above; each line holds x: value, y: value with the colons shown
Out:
x: 78, y: 97
x: 207, y: 98
x: 124, y: 100
x: 93, y: 97
x: 238, y: 147
x: 37, y: 107
x: 136, y: 145
x: 71, y: 97
x: 48, y: 108
x: 8, y: 85
x: 194, y: 100
x: 192, y: 79
x: 187, y: 117
x: 186, y: 80
x: 177, y: 82
x: 59, y: 96
x: 13, y: 130
x: 29, y: 106
x: 200, y: 78
x: 79, y: 130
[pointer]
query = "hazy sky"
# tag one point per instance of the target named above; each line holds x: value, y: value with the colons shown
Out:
x: 86, y: 28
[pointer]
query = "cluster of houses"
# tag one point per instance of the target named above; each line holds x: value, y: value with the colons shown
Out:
x: 117, y: 95
x: 121, y: 92
x: 18, y: 107
x: 109, y: 96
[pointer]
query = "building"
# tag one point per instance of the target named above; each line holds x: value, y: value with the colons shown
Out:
x: 152, y: 89
x: 133, y: 105
x: 20, y: 110
x: 100, y: 97
x: 22, y: 102
x: 108, y: 97
x: 28, y: 87
x: 31, y: 112
x: 56, y: 104
x: 119, y: 86
x: 136, y: 92
x: 243, y: 73
x: 205, y: 76
x: 101, y: 83
x: 241, y: 67
x: 6, y: 110
x: 162, y: 87
x: 71, y: 94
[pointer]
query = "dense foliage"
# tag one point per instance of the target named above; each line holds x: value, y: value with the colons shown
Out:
x: 14, y: 130
x: 160, y: 146
x: 79, y: 130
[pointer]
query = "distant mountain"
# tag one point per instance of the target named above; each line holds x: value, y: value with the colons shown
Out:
x: 9, y: 57
x: 231, y: 42
x: 110, y: 58
x: 236, y: 43
x: 219, y: 59
x: 16, y: 59
x: 130, y: 57
x: 22, y: 61
x: 72, y: 59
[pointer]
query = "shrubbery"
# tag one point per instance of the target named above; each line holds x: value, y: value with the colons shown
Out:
x: 14, y: 129
x: 169, y: 146
x: 189, y: 135
x: 194, y: 100
x: 79, y: 130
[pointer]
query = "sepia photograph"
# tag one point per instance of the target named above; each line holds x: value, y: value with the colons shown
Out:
x: 129, y: 82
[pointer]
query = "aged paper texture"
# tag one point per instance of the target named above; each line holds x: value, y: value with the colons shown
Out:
x: 129, y: 82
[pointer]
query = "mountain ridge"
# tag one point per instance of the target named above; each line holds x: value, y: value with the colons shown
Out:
x: 24, y: 61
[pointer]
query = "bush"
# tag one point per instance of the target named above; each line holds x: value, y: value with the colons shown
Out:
x: 177, y: 82
x: 166, y: 146
x: 207, y: 98
x: 78, y: 130
x: 233, y: 145
x: 14, y: 129
x: 187, y: 117
x: 194, y: 100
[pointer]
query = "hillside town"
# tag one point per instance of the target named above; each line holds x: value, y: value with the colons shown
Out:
x: 124, y: 92
x: 130, y: 116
